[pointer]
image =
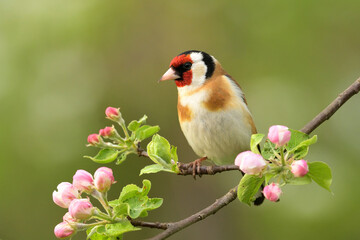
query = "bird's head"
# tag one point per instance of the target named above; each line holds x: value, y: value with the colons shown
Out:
x: 190, y: 69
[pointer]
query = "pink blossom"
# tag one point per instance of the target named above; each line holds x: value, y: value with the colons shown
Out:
x: 83, y: 181
x: 107, y: 132
x: 63, y: 230
x: 81, y: 209
x: 93, y: 139
x: 112, y: 113
x: 65, y: 194
x: 272, y: 192
x: 279, y: 135
x: 103, y: 178
x: 250, y: 163
x: 299, y: 168
x: 68, y: 218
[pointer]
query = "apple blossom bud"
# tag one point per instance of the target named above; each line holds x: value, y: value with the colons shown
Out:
x: 68, y: 218
x: 65, y: 194
x: 272, y: 192
x: 83, y: 181
x: 112, y: 113
x: 250, y: 163
x: 299, y: 168
x: 93, y: 139
x: 107, y: 132
x: 63, y: 230
x: 279, y: 135
x: 103, y: 178
x: 81, y: 209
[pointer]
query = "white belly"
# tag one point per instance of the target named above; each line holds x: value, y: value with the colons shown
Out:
x: 219, y: 135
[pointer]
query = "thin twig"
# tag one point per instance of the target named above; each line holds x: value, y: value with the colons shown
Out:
x: 157, y: 225
x: 186, y: 169
x: 332, y: 108
x: 212, y: 209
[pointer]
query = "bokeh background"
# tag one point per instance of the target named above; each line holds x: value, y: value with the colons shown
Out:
x: 63, y: 62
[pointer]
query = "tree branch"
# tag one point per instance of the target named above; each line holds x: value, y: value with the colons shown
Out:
x: 186, y: 169
x: 332, y: 108
x: 212, y: 209
x: 174, y: 227
x: 157, y: 225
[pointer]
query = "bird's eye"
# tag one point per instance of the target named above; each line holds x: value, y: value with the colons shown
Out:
x: 187, y: 65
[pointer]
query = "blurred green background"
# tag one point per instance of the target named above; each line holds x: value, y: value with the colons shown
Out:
x: 63, y: 62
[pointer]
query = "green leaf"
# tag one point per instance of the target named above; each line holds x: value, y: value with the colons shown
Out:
x: 255, y: 141
x: 154, y: 168
x: 296, y: 138
x: 119, y: 228
x: 146, y: 131
x: 174, y: 155
x: 98, y: 234
x: 159, y: 151
x: 268, y: 151
x: 302, y: 148
x: 248, y: 187
x: 105, y: 156
x: 300, y: 180
x: 134, y: 125
x: 268, y: 177
x: 134, y: 202
x: 320, y: 172
x: 301, y: 152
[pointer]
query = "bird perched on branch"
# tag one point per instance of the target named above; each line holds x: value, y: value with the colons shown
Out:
x: 212, y: 108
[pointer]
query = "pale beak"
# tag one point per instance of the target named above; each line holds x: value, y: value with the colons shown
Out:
x: 169, y: 75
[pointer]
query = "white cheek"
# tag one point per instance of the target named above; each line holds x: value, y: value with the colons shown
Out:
x: 198, y: 72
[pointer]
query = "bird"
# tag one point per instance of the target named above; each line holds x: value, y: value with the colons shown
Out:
x: 212, y: 108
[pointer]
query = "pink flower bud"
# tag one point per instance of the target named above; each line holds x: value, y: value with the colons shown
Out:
x: 103, y: 178
x: 112, y: 113
x: 83, y: 181
x: 68, y: 218
x: 93, y: 139
x: 81, y: 209
x: 299, y: 168
x: 272, y: 192
x: 65, y: 194
x: 279, y: 135
x: 107, y: 132
x: 63, y: 230
x: 250, y: 163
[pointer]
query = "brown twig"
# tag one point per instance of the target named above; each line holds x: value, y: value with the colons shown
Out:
x: 186, y: 169
x: 212, y: 209
x: 171, y: 228
x: 332, y: 108
x: 157, y: 225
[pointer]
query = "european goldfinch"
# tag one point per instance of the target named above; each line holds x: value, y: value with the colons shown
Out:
x: 212, y: 108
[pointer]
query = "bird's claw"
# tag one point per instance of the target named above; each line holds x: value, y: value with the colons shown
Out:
x: 196, y: 167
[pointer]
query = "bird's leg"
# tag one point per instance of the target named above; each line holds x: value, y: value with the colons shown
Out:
x: 196, y: 166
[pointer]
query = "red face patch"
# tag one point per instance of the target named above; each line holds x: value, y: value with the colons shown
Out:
x: 186, y: 76
x: 179, y: 60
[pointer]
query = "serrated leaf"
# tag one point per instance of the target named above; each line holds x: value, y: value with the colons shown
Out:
x: 159, y: 151
x: 255, y: 141
x: 300, y: 180
x: 154, y: 168
x: 296, y: 138
x: 174, y: 155
x: 134, y: 125
x: 249, y: 185
x: 268, y: 150
x: 105, y: 156
x: 134, y: 202
x: 119, y: 228
x: 122, y: 157
x: 320, y: 172
x: 99, y: 234
x: 146, y: 131
x: 91, y: 231
x: 302, y: 148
